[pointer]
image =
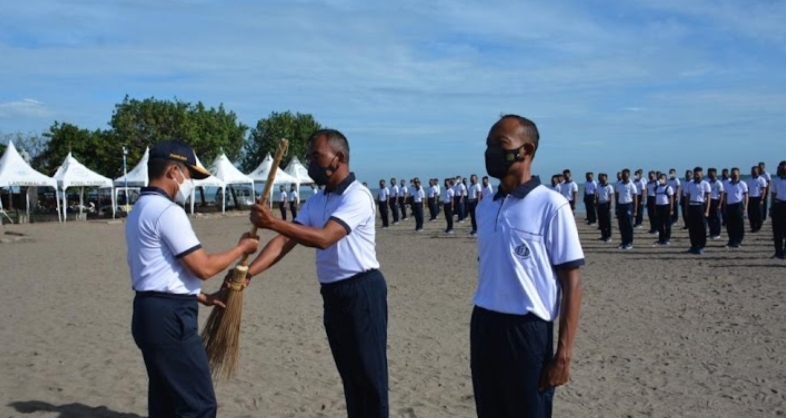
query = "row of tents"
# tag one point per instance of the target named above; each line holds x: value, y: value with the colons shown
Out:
x: 16, y: 172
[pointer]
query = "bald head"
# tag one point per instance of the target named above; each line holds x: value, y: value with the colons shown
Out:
x: 518, y: 129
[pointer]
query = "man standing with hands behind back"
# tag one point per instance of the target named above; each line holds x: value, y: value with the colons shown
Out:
x: 167, y: 265
x: 340, y: 225
x: 528, y: 274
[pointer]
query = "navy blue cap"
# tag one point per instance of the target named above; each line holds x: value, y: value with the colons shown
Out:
x: 180, y: 152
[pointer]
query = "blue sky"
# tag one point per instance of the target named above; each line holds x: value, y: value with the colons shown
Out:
x: 416, y: 85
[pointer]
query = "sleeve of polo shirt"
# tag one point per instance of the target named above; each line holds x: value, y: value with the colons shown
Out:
x: 176, y: 231
x: 562, y: 240
x: 356, y: 208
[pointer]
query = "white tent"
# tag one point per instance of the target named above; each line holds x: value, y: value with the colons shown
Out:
x: 211, y: 181
x: 298, y: 171
x: 224, y: 170
x: 72, y: 173
x: 137, y: 177
x: 263, y: 169
x: 14, y: 171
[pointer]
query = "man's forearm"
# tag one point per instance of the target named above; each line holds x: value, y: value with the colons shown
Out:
x: 274, y: 251
x: 569, y: 311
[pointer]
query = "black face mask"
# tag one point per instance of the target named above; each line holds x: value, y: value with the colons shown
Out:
x: 499, y: 160
x: 319, y: 174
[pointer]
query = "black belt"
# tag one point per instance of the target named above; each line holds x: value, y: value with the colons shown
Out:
x: 153, y: 294
x: 696, y: 203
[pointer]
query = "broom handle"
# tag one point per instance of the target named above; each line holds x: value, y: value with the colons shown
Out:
x: 271, y: 177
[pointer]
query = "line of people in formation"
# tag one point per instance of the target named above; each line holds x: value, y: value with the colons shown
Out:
x: 707, y: 205
x: 458, y: 199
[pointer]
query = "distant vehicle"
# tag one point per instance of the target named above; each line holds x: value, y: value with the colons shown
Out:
x: 245, y: 196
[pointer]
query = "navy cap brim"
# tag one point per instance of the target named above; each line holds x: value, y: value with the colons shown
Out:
x: 197, y: 172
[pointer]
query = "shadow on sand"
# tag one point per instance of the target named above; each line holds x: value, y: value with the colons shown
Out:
x: 72, y: 410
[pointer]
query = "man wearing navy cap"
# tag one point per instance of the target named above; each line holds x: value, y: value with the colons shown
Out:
x: 167, y: 265
x: 529, y: 256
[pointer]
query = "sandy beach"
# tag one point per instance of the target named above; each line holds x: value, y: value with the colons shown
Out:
x: 662, y: 333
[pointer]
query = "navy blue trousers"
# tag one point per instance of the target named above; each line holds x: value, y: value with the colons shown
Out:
x: 604, y: 219
x: 383, y: 212
x: 417, y: 211
x: 714, y: 220
x: 394, y: 208
x: 697, y: 226
x: 356, y: 323
x: 507, y: 355
x: 625, y: 219
x: 473, y: 204
x: 735, y: 223
x: 165, y: 329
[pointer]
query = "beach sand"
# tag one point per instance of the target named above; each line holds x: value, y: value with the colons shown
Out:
x: 662, y: 333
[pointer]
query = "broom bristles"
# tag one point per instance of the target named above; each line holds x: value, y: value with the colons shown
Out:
x: 221, y: 334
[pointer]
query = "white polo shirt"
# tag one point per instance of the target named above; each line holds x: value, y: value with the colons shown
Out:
x: 626, y: 192
x: 767, y: 177
x: 487, y: 191
x: 663, y: 194
x: 433, y: 192
x: 567, y: 188
x: 352, y: 206
x: 158, y: 234
x: 394, y: 191
x: 402, y: 191
x: 686, y: 186
x: 473, y: 191
x: 461, y: 190
x: 590, y: 188
x: 282, y: 196
x: 641, y: 186
x: 418, y: 194
x: 716, y: 189
x: 735, y: 192
x: 697, y: 192
x: 725, y: 183
x: 383, y: 194
x: 523, y: 239
x: 293, y: 196
x: 756, y: 185
x: 449, y: 195
x: 674, y: 182
x: 652, y: 187
x: 557, y: 188
x: 605, y: 193
x: 778, y: 189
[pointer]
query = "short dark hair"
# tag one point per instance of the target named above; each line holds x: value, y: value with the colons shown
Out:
x: 157, y: 167
x: 712, y: 170
x: 698, y: 169
x: 336, y: 139
x: 565, y: 171
x: 625, y: 171
x: 530, y: 130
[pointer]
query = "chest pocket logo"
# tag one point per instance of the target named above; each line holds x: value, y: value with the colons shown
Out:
x: 523, y: 251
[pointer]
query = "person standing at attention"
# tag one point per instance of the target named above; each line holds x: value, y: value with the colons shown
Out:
x: 294, y: 200
x: 460, y: 198
x: 403, y: 194
x: 340, y: 225
x: 641, y: 186
x: 725, y: 179
x: 716, y: 203
x: 487, y: 189
x: 676, y: 185
x: 757, y: 186
x: 418, y: 196
x: 282, y: 202
x: 448, y: 201
x: 651, y: 186
x: 590, y: 201
x: 474, y: 194
x: 604, y: 195
x: 664, y: 209
x: 685, y: 200
x: 765, y: 196
x: 778, y: 188
x: 167, y: 265
x: 569, y: 189
x: 382, y: 200
x: 394, y: 199
x: 433, y: 199
x: 698, y: 194
x: 627, y: 203
x: 529, y: 255
x: 736, y: 204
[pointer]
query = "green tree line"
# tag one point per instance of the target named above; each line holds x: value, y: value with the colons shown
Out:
x: 138, y: 124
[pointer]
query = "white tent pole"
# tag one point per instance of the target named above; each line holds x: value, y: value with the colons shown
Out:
x: 27, y: 204
x: 114, y: 206
x: 224, y: 200
x: 65, y: 205
x: 81, y: 200
x: 193, y: 193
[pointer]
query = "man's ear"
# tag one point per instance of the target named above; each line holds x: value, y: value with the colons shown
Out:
x: 529, y: 149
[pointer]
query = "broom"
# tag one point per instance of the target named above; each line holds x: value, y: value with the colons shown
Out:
x: 221, y: 334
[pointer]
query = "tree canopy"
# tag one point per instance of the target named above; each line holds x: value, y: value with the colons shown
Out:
x: 264, y: 138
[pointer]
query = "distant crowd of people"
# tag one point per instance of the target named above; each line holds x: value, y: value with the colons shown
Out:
x: 707, y: 205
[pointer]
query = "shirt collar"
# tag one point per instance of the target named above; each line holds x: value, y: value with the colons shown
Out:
x: 149, y: 191
x: 521, y: 191
x: 342, y: 187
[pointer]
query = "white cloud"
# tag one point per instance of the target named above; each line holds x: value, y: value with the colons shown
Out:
x: 25, y: 108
